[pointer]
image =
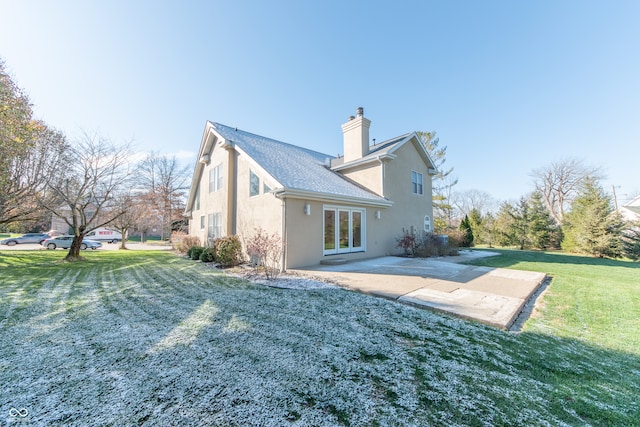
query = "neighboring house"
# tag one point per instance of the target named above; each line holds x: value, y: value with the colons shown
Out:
x: 348, y: 207
x: 631, y: 211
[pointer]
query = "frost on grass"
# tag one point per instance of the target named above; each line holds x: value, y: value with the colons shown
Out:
x: 175, y: 343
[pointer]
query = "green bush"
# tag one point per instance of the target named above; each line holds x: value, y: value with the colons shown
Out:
x: 208, y: 255
x: 228, y: 251
x: 195, y: 252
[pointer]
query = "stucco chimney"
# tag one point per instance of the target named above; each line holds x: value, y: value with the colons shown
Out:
x: 356, y: 136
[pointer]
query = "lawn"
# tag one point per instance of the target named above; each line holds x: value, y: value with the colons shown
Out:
x: 135, y: 338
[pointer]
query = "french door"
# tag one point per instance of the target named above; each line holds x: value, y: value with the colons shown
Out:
x: 344, y: 230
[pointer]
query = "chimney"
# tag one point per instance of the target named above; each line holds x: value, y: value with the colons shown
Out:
x: 356, y: 136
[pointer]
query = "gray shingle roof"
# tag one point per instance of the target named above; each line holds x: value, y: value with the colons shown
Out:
x: 294, y: 167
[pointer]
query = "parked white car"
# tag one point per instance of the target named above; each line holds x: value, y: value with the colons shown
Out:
x: 105, y: 234
x: 64, y: 242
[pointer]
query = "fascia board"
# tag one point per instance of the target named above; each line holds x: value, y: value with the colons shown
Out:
x: 421, y: 150
x: 325, y: 197
x: 209, y: 129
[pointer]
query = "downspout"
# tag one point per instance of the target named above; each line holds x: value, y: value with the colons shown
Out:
x: 283, y: 261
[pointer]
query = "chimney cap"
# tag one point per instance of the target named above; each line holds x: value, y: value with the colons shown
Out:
x: 359, y: 111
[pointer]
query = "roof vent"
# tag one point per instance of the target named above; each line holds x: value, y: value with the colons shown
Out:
x: 359, y: 111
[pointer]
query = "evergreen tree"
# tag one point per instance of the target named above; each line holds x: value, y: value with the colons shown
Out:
x: 477, y: 226
x: 504, y: 225
x: 520, y: 215
x: 592, y: 226
x: 443, y: 182
x: 631, y: 242
x: 490, y: 229
x: 465, y: 227
x: 541, y: 225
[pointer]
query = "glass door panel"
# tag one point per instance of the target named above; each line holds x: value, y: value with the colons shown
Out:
x: 344, y: 230
x: 330, y: 231
x: 356, y: 230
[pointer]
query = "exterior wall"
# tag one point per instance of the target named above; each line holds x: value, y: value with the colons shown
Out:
x: 305, y: 234
x: 369, y: 176
x: 408, y: 210
x: 211, y: 202
x: 263, y: 210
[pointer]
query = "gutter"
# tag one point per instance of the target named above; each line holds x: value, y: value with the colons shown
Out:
x: 363, y: 161
x: 282, y: 193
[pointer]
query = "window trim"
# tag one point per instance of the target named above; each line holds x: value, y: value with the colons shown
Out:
x: 214, y: 225
x: 417, y: 185
x: 251, y: 175
x: 427, y: 219
x: 336, y: 227
x: 215, y: 178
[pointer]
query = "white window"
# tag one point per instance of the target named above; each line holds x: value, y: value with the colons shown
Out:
x: 254, y: 184
x: 265, y: 188
x: 416, y: 182
x: 215, y: 178
x: 215, y: 225
x: 202, y: 222
x: 427, y: 223
x: 344, y: 230
x: 198, y: 198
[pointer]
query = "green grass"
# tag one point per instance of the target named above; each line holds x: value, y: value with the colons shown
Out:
x: 595, y: 300
x: 135, y: 337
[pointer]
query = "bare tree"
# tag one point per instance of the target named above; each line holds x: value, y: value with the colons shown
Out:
x: 560, y: 182
x: 84, y: 189
x: 165, y: 181
x: 468, y: 200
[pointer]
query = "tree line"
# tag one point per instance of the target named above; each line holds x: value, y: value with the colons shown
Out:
x: 88, y: 183
x: 567, y: 209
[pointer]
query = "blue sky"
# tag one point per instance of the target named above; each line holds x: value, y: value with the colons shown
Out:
x: 509, y: 86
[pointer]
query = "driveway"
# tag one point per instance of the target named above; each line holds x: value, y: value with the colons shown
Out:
x: 105, y: 246
x: 495, y: 296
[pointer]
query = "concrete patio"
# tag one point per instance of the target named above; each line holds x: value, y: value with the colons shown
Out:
x: 495, y: 296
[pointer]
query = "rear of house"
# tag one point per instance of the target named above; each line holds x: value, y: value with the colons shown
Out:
x: 323, y: 207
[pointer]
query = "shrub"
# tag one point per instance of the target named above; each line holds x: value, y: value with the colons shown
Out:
x: 408, y: 242
x: 182, y: 242
x: 456, y: 238
x: 228, y: 251
x: 195, y: 252
x: 431, y: 244
x: 265, y: 251
x: 208, y: 255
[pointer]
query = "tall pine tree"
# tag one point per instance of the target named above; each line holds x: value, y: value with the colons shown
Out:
x: 542, y: 230
x: 443, y: 182
x: 593, y: 226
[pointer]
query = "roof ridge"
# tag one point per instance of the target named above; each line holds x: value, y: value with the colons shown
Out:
x: 235, y: 129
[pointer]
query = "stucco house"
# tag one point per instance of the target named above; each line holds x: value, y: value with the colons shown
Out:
x: 325, y: 207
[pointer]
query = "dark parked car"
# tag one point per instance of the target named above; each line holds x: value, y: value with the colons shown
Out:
x: 64, y: 242
x: 27, y: 238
